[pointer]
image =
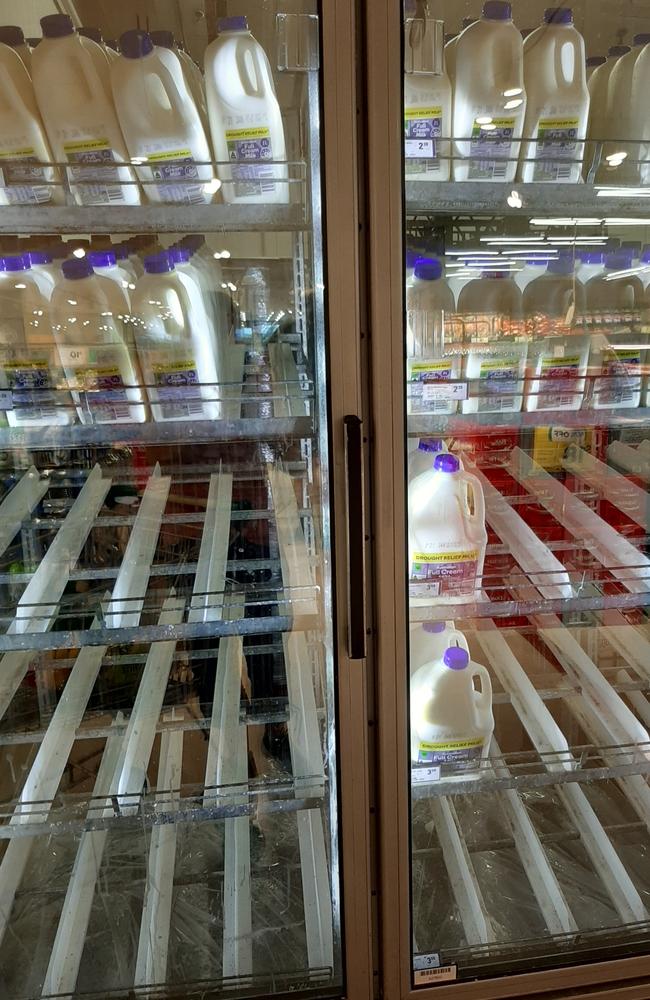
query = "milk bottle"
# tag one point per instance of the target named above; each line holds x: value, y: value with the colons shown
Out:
x: 638, y: 122
x: 497, y: 372
x: 624, y: 119
x: 598, y: 86
x: 451, y: 714
x: 615, y: 296
x: 429, y: 305
x: 79, y: 117
x: 555, y: 295
x: 160, y: 122
x: 447, y: 536
x: 101, y: 369
x: 421, y: 453
x: 191, y: 72
x: 29, y: 359
x: 121, y: 251
x: 23, y: 143
x: 177, y: 354
x: 557, y: 107
x: 490, y: 306
x: 558, y: 366
x: 592, y: 263
x: 104, y: 264
x: 12, y: 35
x: 429, y: 640
x: 44, y: 269
x: 96, y: 36
x: 620, y: 358
x: 427, y: 126
x: 593, y: 62
x: 489, y: 97
x: 99, y: 57
x: 450, y: 50
x: 245, y: 118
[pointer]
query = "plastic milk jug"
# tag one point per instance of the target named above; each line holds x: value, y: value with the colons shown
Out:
x: 101, y: 61
x: 96, y: 36
x: 245, y: 118
x: 593, y: 62
x: 451, y: 713
x: 29, y: 364
x: 497, y: 372
x: 489, y: 97
x: 638, y: 122
x: 429, y: 640
x: 490, y: 306
x: 79, y: 117
x: 626, y: 117
x: 554, y: 295
x: 447, y: 536
x: 558, y: 366
x: 429, y: 305
x: 44, y: 269
x: 191, y: 72
x: 421, y: 453
x: 427, y: 126
x: 104, y: 264
x: 176, y: 351
x: 100, y: 367
x: 599, y: 92
x: 23, y: 142
x: 615, y: 296
x: 620, y: 358
x: 557, y: 109
x: 13, y: 36
x: 160, y: 122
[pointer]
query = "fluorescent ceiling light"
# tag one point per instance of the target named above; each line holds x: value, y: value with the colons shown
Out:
x: 566, y: 222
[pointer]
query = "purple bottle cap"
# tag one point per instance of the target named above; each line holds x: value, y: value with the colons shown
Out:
x: 591, y: 257
x: 12, y: 35
x: 135, y: 44
x: 617, y: 261
x: 645, y: 254
x: 17, y: 263
x: 38, y: 257
x: 434, y: 627
x: 596, y: 60
x: 431, y: 445
x: 618, y: 50
x: 641, y: 39
x: 94, y: 34
x: 428, y: 270
x: 232, y: 24
x: 179, y: 255
x: 57, y: 25
x: 562, y: 266
x: 102, y: 258
x: 497, y: 10
x: 74, y: 269
x: 163, y: 39
x: 558, y: 15
x: 456, y: 658
x: 158, y: 263
x: 446, y: 463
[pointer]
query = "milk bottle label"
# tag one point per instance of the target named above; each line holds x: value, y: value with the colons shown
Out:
x: 253, y: 144
x: 558, y: 369
x: 97, y: 151
x: 422, y: 130
x: 29, y: 380
x: 450, y: 751
x: 557, y: 141
x: 97, y: 376
x: 23, y: 180
x: 498, y: 380
x: 425, y: 379
x: 177, y: 388
x: 490, y: 149
x: 619, y: 391
x: 176, y: 170
x: 435, y: 574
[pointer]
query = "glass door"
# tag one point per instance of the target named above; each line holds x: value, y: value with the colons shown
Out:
x: 521, y: 535
x: 170, y: 637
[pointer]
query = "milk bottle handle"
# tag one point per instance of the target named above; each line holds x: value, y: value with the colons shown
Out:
x: 172, y: 91
x: 478, y: 516
x: 248, y: 47
x: 482, y: 698
x: 6, y: 83
x: 563, y: 42
x: 89, y: 71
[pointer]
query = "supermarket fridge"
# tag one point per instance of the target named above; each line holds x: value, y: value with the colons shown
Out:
x: 183, y: 749
x: 508, y: 274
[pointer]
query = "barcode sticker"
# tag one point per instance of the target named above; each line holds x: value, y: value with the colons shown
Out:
x: 420, y: 775
x: 439, y: 974
x: 6, y: 399
x: 432, y: 391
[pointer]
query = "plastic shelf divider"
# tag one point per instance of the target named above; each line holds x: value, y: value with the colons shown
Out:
x: 20, y: 502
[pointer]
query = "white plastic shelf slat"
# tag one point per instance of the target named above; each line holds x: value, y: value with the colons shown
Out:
x: 627, y: 641
x: 636, y: 698
x: 630, y: 459
x: 625, y: 495
x: 619, y: 556
x: 20, y: 502
x: 462, y: 877
x: 153, y: 945
x: 234, y: 358
x: 289, y: 398
x: 209, y: 582
x: 297, y: 574
x: 127, y: 599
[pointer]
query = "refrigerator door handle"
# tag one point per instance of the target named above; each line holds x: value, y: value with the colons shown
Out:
x: 356, y: 537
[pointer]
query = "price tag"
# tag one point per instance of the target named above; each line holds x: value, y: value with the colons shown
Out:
x: 420, y: 775
x: 430, y: 961
x: 6, y: 399
x: 72, y: 357
x: 441, y: 974
x: 418, y: 148
x: 432, y: 391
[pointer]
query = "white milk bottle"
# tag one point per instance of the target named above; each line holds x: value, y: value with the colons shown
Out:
x: 447, y: 536
x: 216, y: 302
x: 489, y: 97
x: 100, y: 59
x: 496, y: 371
x: 592, y: 64
x: 620, y: 359
x: 450, y: 50
x: 104, y: 264
x: 421, y: 453
x: 555, y: 296
x: 624, y: 121
x: 245, y: 118
x: 193, y: 75
x: 44, y: 269
x: 429, y: 305
x: 592, y: 264
x: 427, y: 126
x: 80, y: 118
x: 23, y: 142
x: 95, y: 35
x: 557, y: 108
x: 429, y: 640
x: 121, y: 251
x: 638, y: 122
x: 99, y: 365
x: 558, y: 366
x: 176, y: 352
x: 13, y: 36
x: 160, y: 123
x: 30, y: 365
x: 598, y: 86
x: 490, y: 306
x: 615, y: 296
x: 451, y: 714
